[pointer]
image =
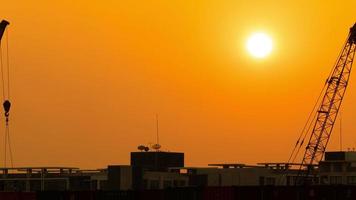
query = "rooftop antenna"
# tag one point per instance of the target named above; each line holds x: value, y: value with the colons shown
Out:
x: 340, y: 131
x: 157, y: 128
x: 156, y: 146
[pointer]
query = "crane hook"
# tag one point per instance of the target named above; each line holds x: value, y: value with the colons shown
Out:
x: 7, y: 106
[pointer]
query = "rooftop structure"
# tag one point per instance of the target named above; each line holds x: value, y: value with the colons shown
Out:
x: 157, y: 160
x: 64, y: 178
x: 339, y: 167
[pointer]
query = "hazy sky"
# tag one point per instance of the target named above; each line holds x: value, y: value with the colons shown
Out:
x: 88, y: 77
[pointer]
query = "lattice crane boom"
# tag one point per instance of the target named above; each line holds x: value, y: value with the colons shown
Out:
x: 330, y: 105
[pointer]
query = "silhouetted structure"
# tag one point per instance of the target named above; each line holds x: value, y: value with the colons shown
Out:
x: 326, y: 113
x: 338, y: 168
x: 65, y: 178
x: 158, y: 161
x: 162, y: 170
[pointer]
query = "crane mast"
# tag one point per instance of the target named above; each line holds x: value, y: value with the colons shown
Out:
x: 329, y: 107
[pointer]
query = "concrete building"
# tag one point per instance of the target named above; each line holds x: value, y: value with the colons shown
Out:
x: 146, y: 164
x: 160, y: 170
x: 148, y: 170
x: 65, y: 178
x: 239, y: 174
x: 338, y: 168
x: 157, y: 160
x: 163, y: 180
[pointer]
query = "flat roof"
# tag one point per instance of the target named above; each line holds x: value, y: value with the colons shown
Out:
x: 21, y: 168
x: 278, y: 163
x: 157, y: 152
x: 192, y: 168
x: 228, y: 165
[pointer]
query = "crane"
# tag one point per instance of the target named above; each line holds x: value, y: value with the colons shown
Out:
x: 6, y: 103
x: 328, y: 109
x: 6, y: 94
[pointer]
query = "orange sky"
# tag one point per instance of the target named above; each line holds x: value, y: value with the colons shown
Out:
x: 88, y: 78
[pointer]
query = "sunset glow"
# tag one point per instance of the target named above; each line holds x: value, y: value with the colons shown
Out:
x: 259, y: 45
x: 232, y: 81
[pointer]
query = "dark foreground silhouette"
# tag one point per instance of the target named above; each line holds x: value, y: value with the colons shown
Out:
x: 337, y: 192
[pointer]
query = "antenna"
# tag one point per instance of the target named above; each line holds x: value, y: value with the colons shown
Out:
x: 156, y: 146
x: 340, y: 131
x: 157, y: 128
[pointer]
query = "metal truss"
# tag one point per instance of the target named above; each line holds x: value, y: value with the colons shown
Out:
x: 330, y: 104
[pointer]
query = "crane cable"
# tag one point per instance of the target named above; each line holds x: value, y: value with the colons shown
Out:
x: 306, y: 128
x: 298, y: 145
x: 305, y: 131
x: 6, y: 101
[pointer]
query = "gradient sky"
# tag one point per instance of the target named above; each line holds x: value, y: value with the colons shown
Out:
x: 88, y: 77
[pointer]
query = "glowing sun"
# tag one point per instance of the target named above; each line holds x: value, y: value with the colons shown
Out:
x: 259, y: 45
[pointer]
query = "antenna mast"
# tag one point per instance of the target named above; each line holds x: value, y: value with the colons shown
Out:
x: 157, y: 128
x: 156, y: 146
x: 340, y: 130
